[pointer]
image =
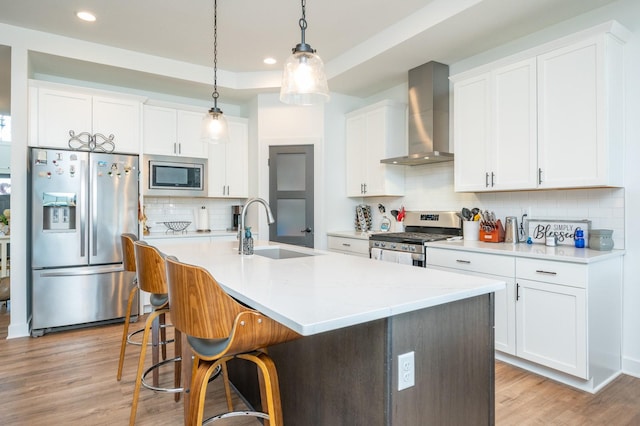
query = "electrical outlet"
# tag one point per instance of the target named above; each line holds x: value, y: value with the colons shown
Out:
x: 406, y: 370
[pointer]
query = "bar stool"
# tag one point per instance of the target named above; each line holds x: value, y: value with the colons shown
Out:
x: 218, y: 329
x: 129, y: 264
x: 150, y: 267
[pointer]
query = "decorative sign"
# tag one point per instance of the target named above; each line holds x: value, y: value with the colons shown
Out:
x: 564, y: 230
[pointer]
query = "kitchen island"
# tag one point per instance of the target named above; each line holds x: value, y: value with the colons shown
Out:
x: 357, y: 317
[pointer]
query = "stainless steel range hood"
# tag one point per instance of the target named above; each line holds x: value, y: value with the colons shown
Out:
x: 428, y: 116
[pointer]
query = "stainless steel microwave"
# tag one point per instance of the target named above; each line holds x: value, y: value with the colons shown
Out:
x: 175, y: 176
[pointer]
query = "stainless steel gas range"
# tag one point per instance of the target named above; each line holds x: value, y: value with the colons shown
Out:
x: 421, y: 227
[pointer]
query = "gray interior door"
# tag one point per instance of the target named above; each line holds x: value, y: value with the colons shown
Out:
x: 291, y: 194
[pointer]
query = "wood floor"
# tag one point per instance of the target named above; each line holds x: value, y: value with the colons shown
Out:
x: 68, y: 378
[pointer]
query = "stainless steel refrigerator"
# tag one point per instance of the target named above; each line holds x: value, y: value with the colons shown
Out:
x: 80, y: 203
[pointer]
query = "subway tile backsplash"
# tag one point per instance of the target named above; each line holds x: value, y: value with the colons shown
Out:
x: 167, y: 209
x: 430, y: 187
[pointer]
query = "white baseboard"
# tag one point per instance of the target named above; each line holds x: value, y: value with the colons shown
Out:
x: 631, y: 367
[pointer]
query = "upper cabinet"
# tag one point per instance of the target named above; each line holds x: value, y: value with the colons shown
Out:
x: 374, y: 133
x: 229, y: 162
x: 552, y: 119
x: 171, y: 131
x: 55, y: 111
x: 495, y: 129
x: 580, y: 114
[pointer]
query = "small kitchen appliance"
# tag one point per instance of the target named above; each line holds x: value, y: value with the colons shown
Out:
x: 511, y: 230
x: 421, y: 227
x: 235, y: 217
x: 168, y: 176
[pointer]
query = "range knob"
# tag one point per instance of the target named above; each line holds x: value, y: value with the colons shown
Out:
x: 412, y: 248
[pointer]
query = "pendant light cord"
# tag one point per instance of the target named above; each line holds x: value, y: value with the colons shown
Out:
x: 303, y: 21
x: 215, y: 93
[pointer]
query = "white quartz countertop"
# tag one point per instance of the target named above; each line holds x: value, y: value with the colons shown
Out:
x: 563, y: 253
x: 326, y: 291
x: 190, y: 234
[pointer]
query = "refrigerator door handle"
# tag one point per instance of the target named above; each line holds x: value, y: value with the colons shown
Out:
x: 83, y: 207
x: 82, y: 271
x: 94, y: 212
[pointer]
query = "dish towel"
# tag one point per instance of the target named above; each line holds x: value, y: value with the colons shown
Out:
x: 376, y: 254
x: 405, y: 259
x: 390, y: 256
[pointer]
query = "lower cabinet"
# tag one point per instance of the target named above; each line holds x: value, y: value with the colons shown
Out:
x: 346, y: 245
x: 557, y: 318
x: 551, y: 322
x: 489, y: 266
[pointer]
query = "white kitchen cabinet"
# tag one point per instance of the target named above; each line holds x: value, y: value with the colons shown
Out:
x: 495, y: 129
x: 488, y: 266
x: 550, y: 120
x: 173, y: 132
x: 563, y: 319
x: 346, y: 245
x: 472, y: 113
x: 5, y: 158
x: 229, y: 162
x: 56, y: 111
x: 551, y: 326
x: 374, y: 133
x: 580, y: 97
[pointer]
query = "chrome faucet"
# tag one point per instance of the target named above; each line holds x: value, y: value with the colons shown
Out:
x: 243, y: 214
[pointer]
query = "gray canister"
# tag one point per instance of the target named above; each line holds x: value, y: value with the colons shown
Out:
x: 511, y: 230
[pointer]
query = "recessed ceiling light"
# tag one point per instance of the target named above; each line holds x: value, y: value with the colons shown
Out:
x: 269, y: 61
x: 86, y: 16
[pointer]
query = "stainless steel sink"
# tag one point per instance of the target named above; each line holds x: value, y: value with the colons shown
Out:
x: 279, y: 253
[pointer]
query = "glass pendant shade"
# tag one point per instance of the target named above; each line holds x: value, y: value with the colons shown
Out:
x: 214, y: 127
x: 304, y: 81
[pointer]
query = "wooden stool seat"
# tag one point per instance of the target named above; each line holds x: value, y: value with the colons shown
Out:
x: 128, y: 264
x: 218, y: 328
x: 150, y: 268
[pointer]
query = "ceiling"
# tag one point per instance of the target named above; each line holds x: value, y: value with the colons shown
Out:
x: 367, y: 46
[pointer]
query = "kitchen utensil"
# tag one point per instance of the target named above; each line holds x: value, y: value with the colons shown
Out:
x: 475, y: 211
x: 511, y: 230
x: 466, y: 214
x: 401, y: 214
x: 394, y: 213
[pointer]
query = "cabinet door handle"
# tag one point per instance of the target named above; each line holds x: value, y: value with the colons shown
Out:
x: 175, y: 148
x: 539, y: 175
x: 517, y: 292
x: 346, y: 244
x: 539, y: 271
x: 468, y: 262
x: 179, y: 148
x: 486, y: 180
x: 492, y: 177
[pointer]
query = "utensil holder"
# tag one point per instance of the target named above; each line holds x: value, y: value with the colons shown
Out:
x: 496, y: 235
x: 471, y: 230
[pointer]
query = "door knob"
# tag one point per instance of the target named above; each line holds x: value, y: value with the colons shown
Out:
x: 306, y: 230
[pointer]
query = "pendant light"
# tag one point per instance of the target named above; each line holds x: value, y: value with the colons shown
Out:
x: 214, y: 123
x: 304, y: 81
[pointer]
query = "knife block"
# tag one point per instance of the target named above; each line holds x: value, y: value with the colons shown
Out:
x: 494, y: 236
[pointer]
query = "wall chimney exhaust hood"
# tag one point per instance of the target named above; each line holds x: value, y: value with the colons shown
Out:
x: 428, y: 116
